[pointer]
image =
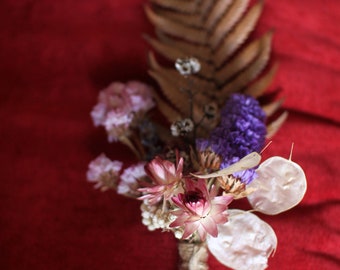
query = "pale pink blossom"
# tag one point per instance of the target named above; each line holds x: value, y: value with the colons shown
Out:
x: 166, y: 178
x: 104, y: 172
x: 119, y: 104
x: 200, y: 211
x: 117, y: 124
x: 129, y: 180
x: 140, y: 96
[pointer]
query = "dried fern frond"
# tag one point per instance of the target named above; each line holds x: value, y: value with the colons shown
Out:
x: 215, y: 32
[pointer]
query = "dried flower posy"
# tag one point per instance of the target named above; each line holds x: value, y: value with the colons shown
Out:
x: 190, y: 169
x: 186, y: 183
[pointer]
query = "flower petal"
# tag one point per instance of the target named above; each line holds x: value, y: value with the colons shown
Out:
x: 190, y: 228
x: 281, y: 184
x: 210, y: 226
x: 202, y: 232
x: 244, y: 242
x: 224, y: 200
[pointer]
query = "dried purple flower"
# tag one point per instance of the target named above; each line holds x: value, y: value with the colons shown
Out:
x: 242, y: 130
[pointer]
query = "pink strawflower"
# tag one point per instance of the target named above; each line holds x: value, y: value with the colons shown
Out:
x: 129, y: 185
x: 119, y: 104
x: 200, y: 210
x: 104, y: 172
x: 166, y: 178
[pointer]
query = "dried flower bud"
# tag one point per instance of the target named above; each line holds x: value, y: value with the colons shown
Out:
x: 209, y: 161
x: 154, y: 218
x: 182, y: 127
x: 232, y: 185
x: 187, y: 66
x: 173, y: 155
x: 210, y: 110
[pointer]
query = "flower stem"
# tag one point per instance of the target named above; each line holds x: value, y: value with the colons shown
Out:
x: 194, y: 255
x: 125, y: 140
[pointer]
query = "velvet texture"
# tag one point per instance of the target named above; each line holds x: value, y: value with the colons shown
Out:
x: 55, y: 56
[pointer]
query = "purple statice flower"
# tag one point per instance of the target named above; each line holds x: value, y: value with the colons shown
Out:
x: 242, y: 130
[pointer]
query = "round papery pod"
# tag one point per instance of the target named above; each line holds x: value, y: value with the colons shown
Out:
x: 279, y: 186
x: 244, y: 243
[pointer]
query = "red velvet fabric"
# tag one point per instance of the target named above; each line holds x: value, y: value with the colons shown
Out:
x: 55, y: 56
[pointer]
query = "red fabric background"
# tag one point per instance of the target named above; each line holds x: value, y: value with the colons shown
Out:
x: 55, y: 56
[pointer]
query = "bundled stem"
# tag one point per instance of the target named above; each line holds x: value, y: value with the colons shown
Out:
x: 194, y: 256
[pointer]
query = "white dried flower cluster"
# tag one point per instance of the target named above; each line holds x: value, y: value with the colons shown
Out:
x: 154, y: 218
x: 182, y: 127
x: 187, y: 66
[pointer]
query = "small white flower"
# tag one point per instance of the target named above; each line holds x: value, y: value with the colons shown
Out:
x: 182, y: 127
x: 187, y: 66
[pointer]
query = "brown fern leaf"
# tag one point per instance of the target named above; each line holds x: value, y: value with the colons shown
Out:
x: 256, y: 89
x: 177, y: 5
x: 274, y: 126
x: 215, y: 32
x: 230, y: 17
x: 238, y: 35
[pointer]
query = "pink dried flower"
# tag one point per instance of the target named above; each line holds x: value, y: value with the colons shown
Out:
x: 117, y: 124
x: 129, y: 185
x: 119, y: 104
x: 200, y: 210
x: 166, y: 177
x: 104, y: 172
x: 140, y: 96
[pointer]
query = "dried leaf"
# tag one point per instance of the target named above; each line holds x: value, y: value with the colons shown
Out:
x: 197, y: 84
x: 174, y: 28
x: 205, y: 6
x: 216, y: 13
x: 227, y: 22
x: 274, y: 126
x: 257, y: 89
x: 188, y: 19
x: 163, y: 106
x: 183, y: 6
x: 249, y: 161
x: 173, y: 94
x: 213, y: 32
x: 272, y: 107
x: 201, y: 52
x: 241, y: 60
x: 249, y: 73
x: 241, y: 31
